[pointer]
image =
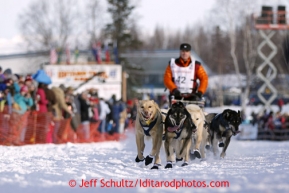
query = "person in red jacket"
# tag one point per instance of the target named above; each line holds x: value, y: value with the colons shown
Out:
x: 41, y: 99
x: 280, y: 104
x: 182, y: 73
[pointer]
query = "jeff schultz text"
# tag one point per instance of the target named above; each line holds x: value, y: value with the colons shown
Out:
x: 148, y: 183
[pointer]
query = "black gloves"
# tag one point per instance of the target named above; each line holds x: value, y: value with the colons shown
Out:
x: 199, y: 94
x: 176, y: 93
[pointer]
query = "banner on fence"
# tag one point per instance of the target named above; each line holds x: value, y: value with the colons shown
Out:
x: 107, y: 80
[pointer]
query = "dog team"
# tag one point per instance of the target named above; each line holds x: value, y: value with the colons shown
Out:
x: 187, y: 132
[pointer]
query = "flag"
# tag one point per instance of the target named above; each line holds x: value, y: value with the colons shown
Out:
x: 53, y: 56
x: 94, y: 50
x: 76, y: 54
x: 67, y: 53
x: 59, y: 53
x: 115, y: 52
x: 98, y: 55
x: 107, y: 55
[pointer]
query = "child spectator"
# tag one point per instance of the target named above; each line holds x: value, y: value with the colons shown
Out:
x: 23, y: 99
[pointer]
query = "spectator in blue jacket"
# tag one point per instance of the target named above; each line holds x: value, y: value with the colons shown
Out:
x: 117, y: 108
x: 23, y: 99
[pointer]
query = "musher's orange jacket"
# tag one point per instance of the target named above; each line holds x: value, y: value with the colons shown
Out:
x: 200, y: 74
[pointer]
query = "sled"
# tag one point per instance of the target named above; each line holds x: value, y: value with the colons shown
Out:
x: 200, y: 103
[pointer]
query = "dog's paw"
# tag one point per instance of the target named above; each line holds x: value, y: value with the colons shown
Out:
x: 208, y: 147
x: 185, y: 164
x: 197, y: 153
x: 155, y: 167
x: 138, y: 160
x: 169, y: 165
x: 178, y: 160
x: 221, y: 144
x: 223, y: 154
x: 149, y: 159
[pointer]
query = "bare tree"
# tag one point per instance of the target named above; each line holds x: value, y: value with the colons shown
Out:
x: 94, y: 19
x: 231, y: 17
x: 250, y: 41
x: 236, y: 15
x: 189, y: 36
x: 159, y: 38
x: 174, y: 39
x: 46, y: 23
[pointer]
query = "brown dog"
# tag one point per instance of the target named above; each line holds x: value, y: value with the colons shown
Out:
x: 148, y: 123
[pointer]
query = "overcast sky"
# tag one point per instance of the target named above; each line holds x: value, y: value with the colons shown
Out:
x: 171, y: 14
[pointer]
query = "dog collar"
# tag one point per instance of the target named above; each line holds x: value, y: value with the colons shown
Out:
x: 147, y: 128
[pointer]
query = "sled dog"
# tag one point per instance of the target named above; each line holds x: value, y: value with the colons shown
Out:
x: 148, y: 123
x: 199, y: 138
x: 178, y: 132
x: 223, y: 126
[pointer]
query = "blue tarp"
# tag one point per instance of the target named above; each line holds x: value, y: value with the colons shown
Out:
x: 41, y: 77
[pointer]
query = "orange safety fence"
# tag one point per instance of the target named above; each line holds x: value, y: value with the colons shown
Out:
x: 33, y: 127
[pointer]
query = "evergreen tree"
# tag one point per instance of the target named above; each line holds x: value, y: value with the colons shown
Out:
x: 122, y: 30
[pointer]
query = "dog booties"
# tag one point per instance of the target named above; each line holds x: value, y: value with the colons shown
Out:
x: 149, y: 159
x: 169, y: 165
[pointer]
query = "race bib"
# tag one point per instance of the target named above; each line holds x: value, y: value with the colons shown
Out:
x: 183, y: 76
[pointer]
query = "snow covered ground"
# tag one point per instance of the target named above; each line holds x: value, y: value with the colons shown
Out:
x: 250, y: 166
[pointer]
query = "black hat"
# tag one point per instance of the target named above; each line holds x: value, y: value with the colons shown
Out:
x: 185, y: 47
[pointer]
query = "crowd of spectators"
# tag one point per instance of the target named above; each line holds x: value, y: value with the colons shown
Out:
x: 270, y: 120
x: 19, y: 94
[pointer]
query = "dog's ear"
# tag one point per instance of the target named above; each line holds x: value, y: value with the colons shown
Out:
x: 187, y: 112
x: 157, y: 106
x: 226, y: 113
x: 181, y: 105
x: 167, y: 116
x: 240, y: 117
x: 189, y: 117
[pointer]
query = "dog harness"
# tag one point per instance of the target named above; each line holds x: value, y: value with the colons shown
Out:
x: 181, y: 128
x: 183, y: 76
x: 147, y: 128
x: 179, y: 133
x: 222, y: 121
